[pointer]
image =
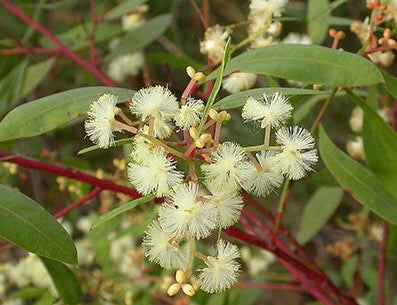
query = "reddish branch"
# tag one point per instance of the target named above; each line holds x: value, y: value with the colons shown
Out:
x: 382, y: 264
x: 64, y: 50
x: 23, y: 50
x: 68, y: 173
x: 313, y: 283
x: 78, y: 203
x: 289, y: 287
x: 94, y: 19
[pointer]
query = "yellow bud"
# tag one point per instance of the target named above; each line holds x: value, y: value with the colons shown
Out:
x: 199, y: 76
x: 193, y: 133
x: 206, y: 137
x: 71, y: 188
x: 190, y: 71
x: 188, y: 290
x: 100, y: 174
x: 173, y: 289
x: 317, y: 87
x: 200, y: 143
x: 116, y: 162
x: 180, y: 277
x: 213, y: 114
x: 224, y: 116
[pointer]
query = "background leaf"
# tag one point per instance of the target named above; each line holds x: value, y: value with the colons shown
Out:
x: 238, y: 99
x: 123, y: 8
x: 65, y: 281
x: 318, y: 210
x: 47, y: 113
x: 380, y: 144
x: 357, y: 180
x: 308, y: 64
x: 390, y: 83
x: 34, y: 75
x: 26, y: 224
x: 120, y: 210
x: 317, y: 17
x: 143, y: 35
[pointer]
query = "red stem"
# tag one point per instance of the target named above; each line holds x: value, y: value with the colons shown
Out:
x: 289, y: 287
x: 23, y: 50
x: 296, y: 246
x: 382, y: 264
x: 94, y: 19
x: 311, y: 281
x: 68, y: 173
x: 78, y: 203
x: 64, y: 50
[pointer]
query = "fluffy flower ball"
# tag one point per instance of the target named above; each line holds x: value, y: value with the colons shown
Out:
x: 99, y: 125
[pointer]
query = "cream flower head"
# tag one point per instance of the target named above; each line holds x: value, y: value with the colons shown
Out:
x: 228, y: 202
x: 221, y: 271
x: 262, y: 182
x: 186, y: 214
x: 272, y: 110
x: 189, y: 114
x: 125, y: 65
x: 162, y: 248
x: 229, y: 166
x: 239, y: 81
x: 298, y: 154
x: 99, y: 124
x: 157, y: 102
x: 155, y: 174
x: 272, y: 7
x: 214, y: 43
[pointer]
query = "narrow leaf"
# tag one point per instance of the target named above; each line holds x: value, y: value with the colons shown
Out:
x: 26, y: 224
x: 321, y: 65
x: 358, y: 180
x: 318, y: 211
x: 34, y: 75
x: 65, y: 281
x: 95, y: 147
x: 391, y: 83
x: 238, y: 99
x: 120, y: 210
x: 317, y: 15
x: 143, y: 35
x: 47, y: 113
x: 123, y: 8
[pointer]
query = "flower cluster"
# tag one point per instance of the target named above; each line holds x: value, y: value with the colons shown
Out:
x: 206, y: 198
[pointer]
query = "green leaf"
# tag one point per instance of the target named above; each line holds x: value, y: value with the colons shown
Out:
x: 391, y: 83
x: 65, y: 281
x: 26, y: 224
x: 77, y: 38
x: 323, y: 178
x: 340, y: 21
x: 34, y: 75
x: 238, y: 99
x: 318, y: 211
x: 179, y: 62
x: 47, y: 113
x: 123, y: 8
x: 10, y: 87
x: 95, y: 147
x: 217, y: 85
x: 143, y: 35
x: 120, y: 210
x: 317, y: 15
x: 358, y: 180
x: 308, y: 64
x: 380, y: 144
x: 349, y: 268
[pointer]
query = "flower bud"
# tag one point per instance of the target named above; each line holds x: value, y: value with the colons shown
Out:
x: 188, y: 290
x: 224, y: 116
x: 200, y: 143
x: 199, y: 76
x: 193, y: 133
x: 190, y: 71
x: 206, y: 137
x: 173, y: 289
x: 213, y: 114
x: 180, y: 277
